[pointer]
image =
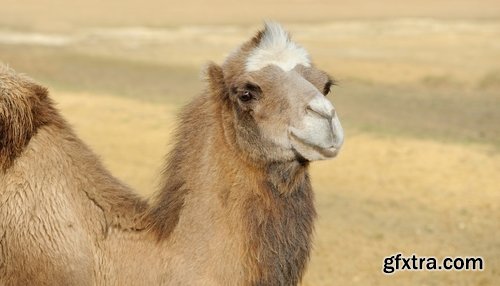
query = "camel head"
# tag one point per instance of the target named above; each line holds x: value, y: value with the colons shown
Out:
x: 276, y: 101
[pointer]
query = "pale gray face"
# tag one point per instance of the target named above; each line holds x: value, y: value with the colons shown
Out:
x: 286, y: 97
x: 279, y: 100
x: 291, y: 110
x: 315, y: 131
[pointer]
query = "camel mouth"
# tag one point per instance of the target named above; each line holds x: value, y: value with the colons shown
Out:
x: 311, y: 151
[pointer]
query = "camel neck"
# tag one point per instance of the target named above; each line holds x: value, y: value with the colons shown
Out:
x: 259, y: 215
x: 278, y: 226
x: 270, y: 207
x: 274, y: 211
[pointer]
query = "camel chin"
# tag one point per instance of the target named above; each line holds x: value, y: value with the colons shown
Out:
x: 312, y: 152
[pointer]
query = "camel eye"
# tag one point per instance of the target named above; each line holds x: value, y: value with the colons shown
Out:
x: 248, y: 92
x: 327, y: 88
x: 246, y: 96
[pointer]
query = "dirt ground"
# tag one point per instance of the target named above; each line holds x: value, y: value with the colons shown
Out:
x: 418, y: 94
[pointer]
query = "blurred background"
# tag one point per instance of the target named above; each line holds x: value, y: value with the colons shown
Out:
x: 418, y: 94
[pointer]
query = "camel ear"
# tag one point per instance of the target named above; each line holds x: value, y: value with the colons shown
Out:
x: 215, y: 78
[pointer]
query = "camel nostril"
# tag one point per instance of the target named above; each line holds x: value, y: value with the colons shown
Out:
x: 321, y: 113
x: 321, y: 107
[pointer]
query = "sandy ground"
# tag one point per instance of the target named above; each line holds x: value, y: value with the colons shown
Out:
x: 52, y: 15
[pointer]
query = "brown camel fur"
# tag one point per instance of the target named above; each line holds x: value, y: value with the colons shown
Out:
x: 236, y: 206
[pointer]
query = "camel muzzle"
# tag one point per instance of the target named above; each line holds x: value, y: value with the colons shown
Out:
x: 320, y: 135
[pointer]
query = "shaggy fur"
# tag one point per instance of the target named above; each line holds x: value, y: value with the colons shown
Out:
x: 270, y: 204
x: 56, y: 200
x: 277, y: 49
x: 236, y: 206
x: 24, y: 107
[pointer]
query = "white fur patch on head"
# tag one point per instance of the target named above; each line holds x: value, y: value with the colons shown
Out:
x: 276, y: 48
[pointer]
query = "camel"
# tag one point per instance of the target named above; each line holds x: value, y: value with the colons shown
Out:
x: 235, y: 206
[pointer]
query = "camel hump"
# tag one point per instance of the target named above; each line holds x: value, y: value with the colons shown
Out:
x: 24, y: 107
x: 13, y: 84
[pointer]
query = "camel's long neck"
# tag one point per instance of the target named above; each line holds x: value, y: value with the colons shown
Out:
x: 258, y: 219
x: 279, y: 222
